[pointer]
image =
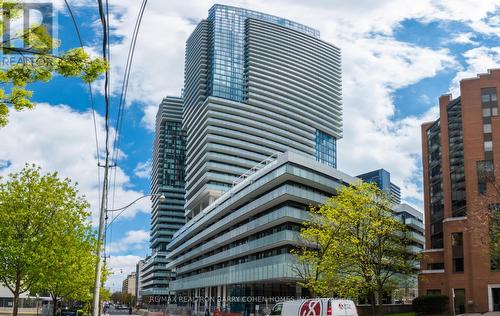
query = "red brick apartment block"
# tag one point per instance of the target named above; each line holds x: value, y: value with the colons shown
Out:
x: 461, y: 164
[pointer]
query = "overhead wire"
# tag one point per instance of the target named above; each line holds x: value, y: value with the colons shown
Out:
x: 123, y: 94
x: 91, y: 96
x: 104, y: 201
x: 113, y: 201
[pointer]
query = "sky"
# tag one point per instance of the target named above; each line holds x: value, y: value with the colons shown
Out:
x: 398, y: 57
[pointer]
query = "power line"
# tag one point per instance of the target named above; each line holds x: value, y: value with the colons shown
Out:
x: 123, y: 95
x: 109, y: 88
x: 104, y: 200
x: 91, y: 96
x: 128, y: 67
x: 126, y: 76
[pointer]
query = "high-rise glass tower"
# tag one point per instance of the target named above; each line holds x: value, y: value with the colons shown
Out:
x: 167, y: 179
x: 168, y: 173
x: 382, y: 178
x: 255, y: 85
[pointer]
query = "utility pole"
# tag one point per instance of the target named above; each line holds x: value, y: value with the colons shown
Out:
x: 96, y: 308
x: 100, y: 235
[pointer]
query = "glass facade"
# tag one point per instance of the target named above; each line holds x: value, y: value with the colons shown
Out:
x: 250, y: 242
x: 456, y: 154
x: 169, y: 155
x: 255, y: 85
x: 227, y: 48
x: 326, y: 149
x: 435, y: 176
x: 174, y: 155
x: 382, y: 178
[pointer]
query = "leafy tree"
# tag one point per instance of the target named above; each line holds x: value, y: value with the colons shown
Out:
x: 69, y: 261
x: 494, y: 234
x: 353, y: 246
x: 117, y: 297
x: 492, y: 199
x: 129, y: 299
x: 485, y: 213
x: 105, y: 294
x: 36, y: 211
x: 37, y: 64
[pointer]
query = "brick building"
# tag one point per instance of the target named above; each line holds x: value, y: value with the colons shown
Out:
x: 461, y: 166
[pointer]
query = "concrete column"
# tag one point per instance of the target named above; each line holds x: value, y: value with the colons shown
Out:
x: 207, y: 293
x: 219, y: 296
x: 224, y: 296
x: 197, y: 301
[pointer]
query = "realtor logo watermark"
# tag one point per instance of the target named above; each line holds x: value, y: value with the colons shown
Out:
x: 176, y: 299
x: 26, y: 24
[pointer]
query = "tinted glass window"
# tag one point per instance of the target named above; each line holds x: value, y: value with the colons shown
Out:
x: 277, y: 309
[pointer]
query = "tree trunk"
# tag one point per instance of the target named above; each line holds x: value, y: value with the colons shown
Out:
x: 380, y: 309
x: 54, y: 301
x: 373, y: 302
x: 17, y: 289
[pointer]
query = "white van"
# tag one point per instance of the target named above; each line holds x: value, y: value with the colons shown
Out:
x: 315, y: 307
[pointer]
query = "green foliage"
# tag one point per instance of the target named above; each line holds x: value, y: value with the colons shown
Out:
x: 128, y: 299
x: 37, y: 64
x: 494, y: 234
x: 46, y: 242
x: 353, y: 245
x: 68, y: 265
x: 105, y: 294
x: 430, y: 304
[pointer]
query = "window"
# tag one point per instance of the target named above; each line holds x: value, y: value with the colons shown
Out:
x: 456, y: 154
x: 481, y: 187
x: 433, y: 292
x: 488, y: 146
x: 435, y: 266
x: 489, y: 102
x: 487, y: 128
x: 457, y: 249
x: 277, y: 309
x: 326, y: 149
x: 485, y: 171
x: 458, y: 265
x: 435, y: 177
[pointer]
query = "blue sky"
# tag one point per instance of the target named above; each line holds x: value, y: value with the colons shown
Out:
x: 397, y: 59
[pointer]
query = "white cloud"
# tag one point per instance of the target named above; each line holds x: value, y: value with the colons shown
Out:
x: 143, y: 169
x: 463, y: 38
x: 120, y: 267
x: 58, y: 138
x: 133, y: 240
x: 478, y: 60
x: 149, y: 118
x: 374, y: 65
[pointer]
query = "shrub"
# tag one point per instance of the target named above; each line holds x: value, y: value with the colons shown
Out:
x: 430, y: 304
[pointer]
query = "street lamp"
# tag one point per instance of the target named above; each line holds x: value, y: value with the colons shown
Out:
x: 122, y: 209
x: 100, y: 237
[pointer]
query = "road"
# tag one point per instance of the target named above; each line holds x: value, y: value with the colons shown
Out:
x: 117, y: 312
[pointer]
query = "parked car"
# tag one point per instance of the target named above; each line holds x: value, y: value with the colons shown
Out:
x: 121, y: 307
x: 315, y: 307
